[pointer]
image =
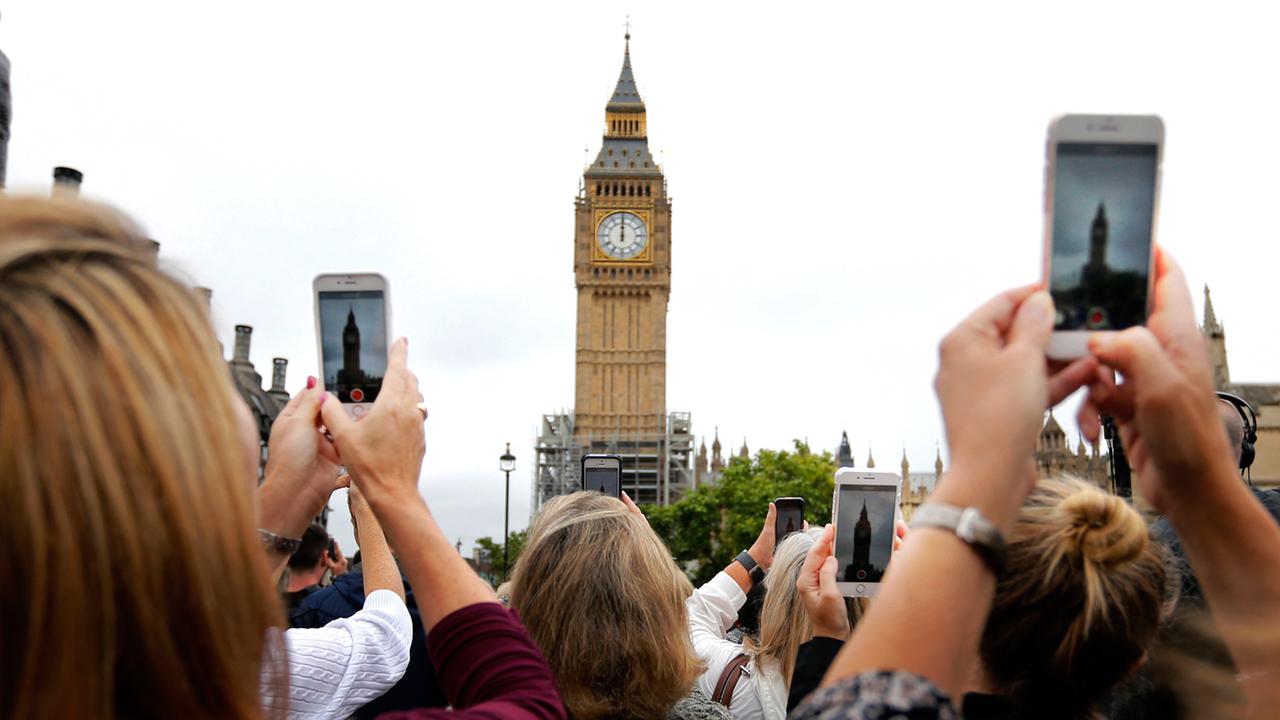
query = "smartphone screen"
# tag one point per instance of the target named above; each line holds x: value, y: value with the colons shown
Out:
x: 604, y: 480
x: 789, y: 519
x: 353, y: 342
x: 1104, y: 198
x: 864, y: 531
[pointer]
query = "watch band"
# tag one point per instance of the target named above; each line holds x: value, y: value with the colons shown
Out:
x: 279, y: 543
x: 752, y: 567
x: 970, y: 526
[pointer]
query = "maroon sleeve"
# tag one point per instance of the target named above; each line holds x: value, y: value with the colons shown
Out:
x: 489, y: 668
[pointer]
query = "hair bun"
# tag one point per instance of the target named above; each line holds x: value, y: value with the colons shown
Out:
x: 1103, y: 528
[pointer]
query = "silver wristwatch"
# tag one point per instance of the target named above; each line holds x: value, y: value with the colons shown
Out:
x: 970, y: 526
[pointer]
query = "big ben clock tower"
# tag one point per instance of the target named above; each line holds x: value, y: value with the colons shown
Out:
x: 622, y: 270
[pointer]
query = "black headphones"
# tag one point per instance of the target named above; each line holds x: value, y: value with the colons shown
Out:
x: 1250, y: 421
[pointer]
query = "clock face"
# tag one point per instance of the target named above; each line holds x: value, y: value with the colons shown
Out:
x: 622, y: 235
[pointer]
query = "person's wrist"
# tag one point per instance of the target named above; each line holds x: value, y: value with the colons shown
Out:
x: 830, y: 629
x: 280, y: 512
x: 389, y: 496
x: 763, y: 559
x: 295, y: 484
x: 1188, y: 503
x: 996, y: 489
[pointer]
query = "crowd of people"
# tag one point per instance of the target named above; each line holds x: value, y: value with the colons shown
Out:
x: 147, y: 559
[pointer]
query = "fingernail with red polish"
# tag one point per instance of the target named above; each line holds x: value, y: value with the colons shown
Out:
x: 311, y: 381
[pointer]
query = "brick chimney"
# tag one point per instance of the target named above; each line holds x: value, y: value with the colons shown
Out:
x: 244, y: 333
x: 278, y: 368
x: 66, y: 181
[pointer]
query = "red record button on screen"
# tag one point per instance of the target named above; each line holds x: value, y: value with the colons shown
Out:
x: 357, y: 395
x: 1097, y: 318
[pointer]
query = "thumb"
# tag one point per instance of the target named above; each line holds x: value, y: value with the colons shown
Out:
x: 827, y: 575
x: 1033, y: 322
x: 1134, y: 353
x: 306, y: 404
x: 335, y: 418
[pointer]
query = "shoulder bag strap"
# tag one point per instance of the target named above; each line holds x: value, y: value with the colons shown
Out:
x: 729, y: 679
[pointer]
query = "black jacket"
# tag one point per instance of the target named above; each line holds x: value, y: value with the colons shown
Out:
x: 812, y: 660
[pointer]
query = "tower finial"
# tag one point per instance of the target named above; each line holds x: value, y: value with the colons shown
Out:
x: 627, y: 37
x: 1210, y: 318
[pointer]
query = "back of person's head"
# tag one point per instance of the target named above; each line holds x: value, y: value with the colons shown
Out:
x: 1080, y: 604
x: 784, y: 622
x: 137, y: 583
x: 315, y: 543
x: 603, y: 599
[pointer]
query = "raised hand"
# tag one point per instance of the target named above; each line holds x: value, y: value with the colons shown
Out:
x: 817, y: 587
x: 994, y: 385
x: 383, y: 451
x: 302, y: 466
x: 1165, y: 407
x: 632, y: 507
x: 762, y: 549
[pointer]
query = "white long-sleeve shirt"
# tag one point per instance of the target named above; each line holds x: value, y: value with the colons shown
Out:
x: 337, y: 669
x: 761, y: 693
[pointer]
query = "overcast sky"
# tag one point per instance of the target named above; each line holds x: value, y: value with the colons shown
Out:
x: 848, y: 181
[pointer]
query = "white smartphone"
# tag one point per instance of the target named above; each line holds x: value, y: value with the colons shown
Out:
x: 1102, y: 193
x: 353, y: 328
x: 864, y: 508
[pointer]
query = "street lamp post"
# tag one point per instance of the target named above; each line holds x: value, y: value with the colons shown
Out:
x: 506, y: 464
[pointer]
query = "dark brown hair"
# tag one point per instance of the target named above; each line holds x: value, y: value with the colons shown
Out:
x: 315, y: 541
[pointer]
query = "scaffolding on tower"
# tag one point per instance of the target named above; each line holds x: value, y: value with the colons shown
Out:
x: 657, y: 468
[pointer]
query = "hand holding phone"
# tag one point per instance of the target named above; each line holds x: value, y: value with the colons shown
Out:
x: 1101, y: 199
x: 819, y: 589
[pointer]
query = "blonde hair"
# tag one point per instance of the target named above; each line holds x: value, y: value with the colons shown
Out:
x: 784, y: 622
x: 138, y: 584
x: 1082, y: 601
x: 605, y: 602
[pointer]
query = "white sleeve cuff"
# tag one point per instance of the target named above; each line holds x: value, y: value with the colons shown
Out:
x: 730, y: 589
x: 391, y: 608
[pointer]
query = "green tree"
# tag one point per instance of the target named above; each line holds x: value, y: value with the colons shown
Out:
x: 713, y: 523
x: 493, y: 552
